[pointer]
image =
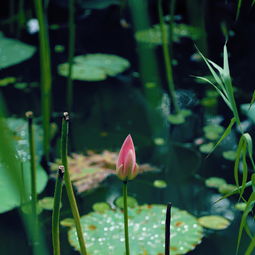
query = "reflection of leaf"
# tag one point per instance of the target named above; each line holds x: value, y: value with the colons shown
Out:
x: 13, y: 52
x: 95, y: 67
x: 87, y: 172
x: 147, y: 225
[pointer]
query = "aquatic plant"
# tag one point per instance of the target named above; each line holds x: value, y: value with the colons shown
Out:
x: 68, y: 184
x: 127, y: 169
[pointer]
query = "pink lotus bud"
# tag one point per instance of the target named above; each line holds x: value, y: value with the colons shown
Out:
x: 126, y: 166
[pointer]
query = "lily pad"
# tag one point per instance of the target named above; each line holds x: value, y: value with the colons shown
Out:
x: 161, y: 184
x: 13, y: 52
x: 88, y: 171
x: 101, y: 207
x: 95, y: 67
x: 215, y: 182
x: 153, y: 35
x: 226, y: 188
x: 104, y: 233
x: 206, y: 148
x: 46, y: 203
x: 180, y: 117
x: 131, y: 202
x: 229, y: 155
x: 214, y: 222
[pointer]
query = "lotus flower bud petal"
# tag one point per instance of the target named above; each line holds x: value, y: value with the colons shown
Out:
x: 134, y: 172
x: 126, y: 166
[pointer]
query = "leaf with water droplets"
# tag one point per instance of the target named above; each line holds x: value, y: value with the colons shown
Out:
x: 104, y: 233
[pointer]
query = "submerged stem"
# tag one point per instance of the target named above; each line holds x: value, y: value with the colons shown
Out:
x: 167, y: 229
x: 68, y: 184
x: 126, y: 217
x: 56, y: 211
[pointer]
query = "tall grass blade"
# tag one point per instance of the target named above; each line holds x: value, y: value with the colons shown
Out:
x: 237, y: 160
x: 248, y: 209
x: 253, y: 97
x: 239, y: 4
x: 225, y: 134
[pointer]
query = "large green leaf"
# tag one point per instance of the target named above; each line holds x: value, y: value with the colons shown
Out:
x: 10, y: 197
x: 95, y: 67
x: 104, y: 232
x: 13, y: 52
x: 19, y: 130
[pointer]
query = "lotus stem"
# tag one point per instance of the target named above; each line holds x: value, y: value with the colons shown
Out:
x: 68, y: 184
x: 71, y: 47
x: 126, y: 217
x: 167, y: 229
x: 31, y: 141
x: 56, y: 211
x: 167, y: 58
x: 45, y: 73
x: 29, y: 116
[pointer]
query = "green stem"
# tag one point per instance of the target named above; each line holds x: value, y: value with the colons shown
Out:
x: 71, y: 47
x: 45, y: 69
x: 167, y: 59
x: 68, y: 184
x: 29, y: 116
x: 171, y: 24
x: 126, y: 217
x: 56, y: 211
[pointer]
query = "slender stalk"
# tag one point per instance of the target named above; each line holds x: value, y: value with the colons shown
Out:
x: 29, y: 116
x: 68, y: 184
x: 45, y: 69
x: 171, y: 24
x: 126, y: 217
x: 167, y: 229
x: 56, y: 211
x: 71, y: 47
x: 167, y: 58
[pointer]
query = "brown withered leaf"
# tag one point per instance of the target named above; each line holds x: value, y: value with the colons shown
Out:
x: 88, y: 171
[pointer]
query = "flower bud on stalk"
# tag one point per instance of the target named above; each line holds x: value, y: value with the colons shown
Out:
x: 126, y: 167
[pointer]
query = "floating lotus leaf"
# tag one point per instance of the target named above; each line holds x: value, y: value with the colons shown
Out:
x: 104, y: 233
x: 87, y: 172
x: 229, y: 155
x: 13, y: 52
x: 206, y: 148
x: 95, y: 67
x: 161, y: 184
x: 101, y: 207
x: 46, y: 203
x: 215, y: 182
x: 131, y: 202
x: 179, y: 118
x: 214, y: 222
x: 153, y: 34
